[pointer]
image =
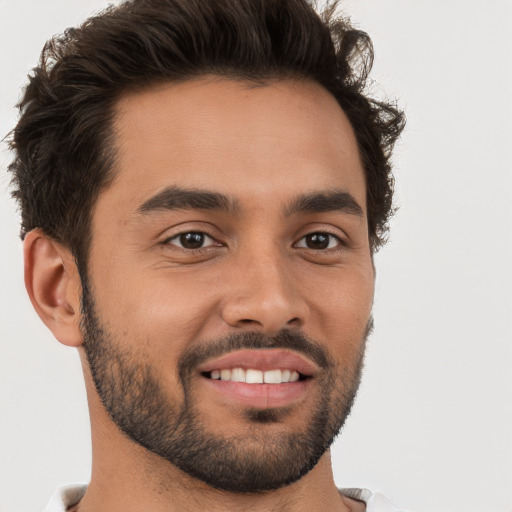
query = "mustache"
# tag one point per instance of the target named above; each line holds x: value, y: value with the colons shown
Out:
x: 285, y: 339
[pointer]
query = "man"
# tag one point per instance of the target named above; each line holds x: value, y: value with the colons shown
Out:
x: 202, y: 187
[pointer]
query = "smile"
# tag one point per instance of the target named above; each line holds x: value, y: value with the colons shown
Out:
x: 264, y: 378
x: 254, y: 376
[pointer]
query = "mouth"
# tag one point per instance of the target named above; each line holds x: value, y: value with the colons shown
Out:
x: 265, y: 378
x: 254, y: 376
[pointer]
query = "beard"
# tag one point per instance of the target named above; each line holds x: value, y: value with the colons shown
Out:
x: 259, y: 459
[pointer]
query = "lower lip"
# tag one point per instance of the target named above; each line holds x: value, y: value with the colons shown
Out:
x: 260, y: 396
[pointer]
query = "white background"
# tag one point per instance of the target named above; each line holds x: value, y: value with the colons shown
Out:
x: 432, y: 428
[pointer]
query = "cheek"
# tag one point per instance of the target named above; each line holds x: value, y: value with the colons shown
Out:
x: 341, y: 305
x: 155, y: 310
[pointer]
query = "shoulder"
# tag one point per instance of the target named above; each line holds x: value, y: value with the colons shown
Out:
x: 373, y: 501
x: 65, y: 497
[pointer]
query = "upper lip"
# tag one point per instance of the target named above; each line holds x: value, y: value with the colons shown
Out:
x: 263, y: 359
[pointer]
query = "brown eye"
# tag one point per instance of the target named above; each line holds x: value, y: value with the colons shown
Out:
x: 192, y: 240
x: 319, y: 241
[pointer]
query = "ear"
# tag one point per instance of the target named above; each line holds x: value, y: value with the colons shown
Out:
x: 53, y: 285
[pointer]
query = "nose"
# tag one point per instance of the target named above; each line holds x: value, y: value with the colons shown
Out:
x: 263, y: 294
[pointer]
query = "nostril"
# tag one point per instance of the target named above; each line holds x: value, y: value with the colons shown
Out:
x: 295, y: 322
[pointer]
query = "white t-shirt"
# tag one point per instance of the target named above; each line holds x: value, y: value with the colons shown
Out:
x: 69, y: 495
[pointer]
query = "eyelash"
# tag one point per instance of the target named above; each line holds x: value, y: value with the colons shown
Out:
x: 339, y: 242
x: 330, y: 236
x: 214, y: 243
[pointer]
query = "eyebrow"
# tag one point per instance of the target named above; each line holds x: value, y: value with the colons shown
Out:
x: 175, y: 198
x: 328, y: 201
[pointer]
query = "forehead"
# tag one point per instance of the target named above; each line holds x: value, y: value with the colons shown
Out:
x: 252, y: 142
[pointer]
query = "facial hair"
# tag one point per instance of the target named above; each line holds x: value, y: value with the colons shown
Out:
x: 253, y: 462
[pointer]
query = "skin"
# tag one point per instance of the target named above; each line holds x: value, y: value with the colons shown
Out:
x: 263, y: 147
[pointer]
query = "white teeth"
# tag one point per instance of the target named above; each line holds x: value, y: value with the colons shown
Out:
x: 273, y: 377
x: 237, y: 375
x: 252, y: 376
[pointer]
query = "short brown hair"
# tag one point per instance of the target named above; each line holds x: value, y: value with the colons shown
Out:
x: 63, y: 142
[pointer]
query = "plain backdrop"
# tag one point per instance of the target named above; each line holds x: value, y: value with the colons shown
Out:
x: 432, y: 427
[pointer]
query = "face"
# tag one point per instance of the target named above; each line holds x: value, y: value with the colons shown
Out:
x: 230, y: 281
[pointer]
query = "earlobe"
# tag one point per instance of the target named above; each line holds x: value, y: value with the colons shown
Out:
x: 53, y: 285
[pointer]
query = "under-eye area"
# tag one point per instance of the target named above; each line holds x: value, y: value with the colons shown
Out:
x: 253, y: 376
